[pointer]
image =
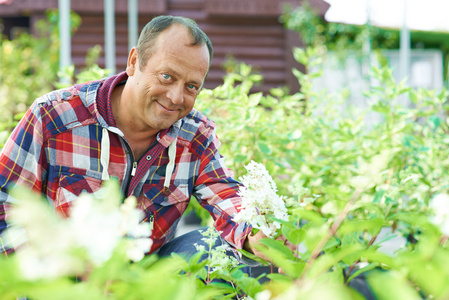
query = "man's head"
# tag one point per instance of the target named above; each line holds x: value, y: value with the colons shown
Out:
x: 151, y: 31
x: 163, y: 84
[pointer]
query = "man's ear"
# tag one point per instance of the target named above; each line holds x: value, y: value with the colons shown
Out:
x: 133, y: 62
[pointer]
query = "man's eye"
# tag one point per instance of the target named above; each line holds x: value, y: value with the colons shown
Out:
x: 166, y: 76
x: 191, y: 86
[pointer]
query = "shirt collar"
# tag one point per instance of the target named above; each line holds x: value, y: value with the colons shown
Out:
x: 104, y: 97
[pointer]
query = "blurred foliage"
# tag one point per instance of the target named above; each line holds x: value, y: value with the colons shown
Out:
x: 348, y: 179
x: 91, y: 72
x: 343, y: 38
x: 29, y: 68
x: 337, y: 37
x: 345, y: 181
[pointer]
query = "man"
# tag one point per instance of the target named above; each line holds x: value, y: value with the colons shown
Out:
x: 139, y: 127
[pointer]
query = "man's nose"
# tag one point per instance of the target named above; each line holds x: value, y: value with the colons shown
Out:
x: 176, y: 94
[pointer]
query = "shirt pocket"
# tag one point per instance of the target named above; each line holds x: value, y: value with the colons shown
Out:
x: 176, y: 194
x: 72, y: 183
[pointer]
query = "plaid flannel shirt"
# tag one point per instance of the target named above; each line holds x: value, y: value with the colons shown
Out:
x: 56, y: 150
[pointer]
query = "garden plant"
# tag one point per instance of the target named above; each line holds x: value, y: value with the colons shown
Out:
x: 342, y: 190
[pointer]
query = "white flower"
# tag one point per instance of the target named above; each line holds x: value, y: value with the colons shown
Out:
x: 218, y: 259
x: 138, y: 233
x: 94, y: 229
x: 200, y: 248
x: 260, y: 199
x: 131, y: 219
x: 35, y: 264
x: 210, y: 236
x: 48, y: 246
x: 440, y: 206
x: 99, y: 230
x: 264, y: 295
x: 137, y: 248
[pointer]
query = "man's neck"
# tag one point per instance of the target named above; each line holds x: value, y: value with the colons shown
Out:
x: 139, y: 139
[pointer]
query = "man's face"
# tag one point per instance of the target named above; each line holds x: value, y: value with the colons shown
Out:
x: 165, y: 90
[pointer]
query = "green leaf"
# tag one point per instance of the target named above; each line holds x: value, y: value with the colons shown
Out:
x: 298, y: 74
x: 378, y: 196
x: 300, y: 56
x: 277, y: 92
x: 264, y: 147
x: 373, y: 226
x: 308, y: 215
x: 254, y: 99
x: 325, y: 262
x: 372, y: 255
x: 413, y: 96
x: 277, y: 245
x: 293, y: 235
x: 253, y: 257
x: 239, y: 158
x: 367, y: 268
x: 281, y: 256
x: 436, y: 121
x: 413, y: 218
x: 332, y: 243
x: 391, y: 285
x: 19, y: 116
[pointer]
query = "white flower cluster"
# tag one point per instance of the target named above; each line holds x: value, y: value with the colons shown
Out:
x: 48, y: 246
x: 440, y: 206
x: 260, y: 199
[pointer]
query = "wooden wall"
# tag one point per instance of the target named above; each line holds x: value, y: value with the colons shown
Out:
x: 248, y: 30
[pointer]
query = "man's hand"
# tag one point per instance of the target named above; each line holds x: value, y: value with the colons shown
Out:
x: 253, y: 240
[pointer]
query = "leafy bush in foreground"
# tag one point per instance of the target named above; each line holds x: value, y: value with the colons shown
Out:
x: 350, y: 188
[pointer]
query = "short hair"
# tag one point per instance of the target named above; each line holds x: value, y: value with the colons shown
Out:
x: 151, y: 31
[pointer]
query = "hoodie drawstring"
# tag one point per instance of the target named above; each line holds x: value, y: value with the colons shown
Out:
x: 104, y: 154
x: 170, y: 166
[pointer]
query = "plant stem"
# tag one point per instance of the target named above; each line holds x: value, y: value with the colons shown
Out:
x: 106, y: 287
x: 208, y: 266
x: 332, y: 230
x: 351, y: 268
x: 443, y: 239
x: 236, y: 293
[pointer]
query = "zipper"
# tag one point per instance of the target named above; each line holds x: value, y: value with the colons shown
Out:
x: 133, y: 170
x: 151, y: 219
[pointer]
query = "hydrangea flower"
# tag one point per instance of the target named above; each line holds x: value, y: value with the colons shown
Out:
x: 218, y: 259
x: 260, y: 199
x: 48, y: 246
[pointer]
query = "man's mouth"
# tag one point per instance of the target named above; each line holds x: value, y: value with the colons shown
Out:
x: 165, y: 108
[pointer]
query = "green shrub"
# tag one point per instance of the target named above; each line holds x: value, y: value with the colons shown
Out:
x: 345, y: 181
x: 29, y: 68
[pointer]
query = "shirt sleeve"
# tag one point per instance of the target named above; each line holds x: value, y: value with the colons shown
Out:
x: 21, y: 164
x: 216, y: 190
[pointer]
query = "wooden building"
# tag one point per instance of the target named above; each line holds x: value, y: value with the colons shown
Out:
x: 248, y: 30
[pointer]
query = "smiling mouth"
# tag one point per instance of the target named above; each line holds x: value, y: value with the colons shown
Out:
x: 166, y: 108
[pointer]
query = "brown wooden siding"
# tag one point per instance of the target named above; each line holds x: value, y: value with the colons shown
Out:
x: 247, y: 30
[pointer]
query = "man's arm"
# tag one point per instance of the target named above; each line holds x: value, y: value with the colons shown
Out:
x: 20, y: 163
x: 216, y: 189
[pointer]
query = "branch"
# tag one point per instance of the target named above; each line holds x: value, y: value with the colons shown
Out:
x: 332, y: 230
x: 351, y: 268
